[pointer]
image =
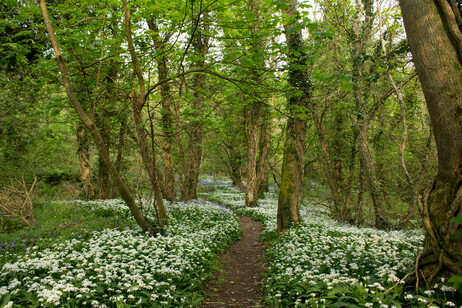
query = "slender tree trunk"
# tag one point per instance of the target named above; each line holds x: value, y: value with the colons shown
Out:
x: 124, y: 192
x: 104, y: 187
x: 169, y: 191
x: 83, y: 150
x: 362, y: 32
x: 402, y: 105
x: 325, y: 159
x: 359, y: 208
x: 120, y: 145
x: 265, y: 142
x: 235, y: 158
x: 436, y: 45
x: 138, y: 102
x: 294, y: 146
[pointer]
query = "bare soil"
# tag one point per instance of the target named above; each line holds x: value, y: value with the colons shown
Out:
x: 237, y: 283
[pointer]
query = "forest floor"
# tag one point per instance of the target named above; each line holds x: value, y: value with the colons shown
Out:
x: 237, y: 282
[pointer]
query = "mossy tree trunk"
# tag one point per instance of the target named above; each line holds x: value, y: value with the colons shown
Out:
x: 294, y: 145
x: 435, y: 40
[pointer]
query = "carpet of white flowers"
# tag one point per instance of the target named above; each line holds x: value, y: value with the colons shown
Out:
x: 322, y: 263
x: 124, y: 267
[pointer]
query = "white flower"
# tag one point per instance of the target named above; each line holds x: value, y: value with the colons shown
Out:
x: 8, y: 305
x: 429, y: 292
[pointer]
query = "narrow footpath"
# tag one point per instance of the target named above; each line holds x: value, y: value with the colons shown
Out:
x: 237, y: 284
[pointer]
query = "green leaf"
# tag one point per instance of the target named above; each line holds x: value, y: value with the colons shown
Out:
x: 456, y: 235
x: 347, y: 86
x: 456, y: 280
x: 457, y: 220
x: 10, y: 3
x: 6, y: 300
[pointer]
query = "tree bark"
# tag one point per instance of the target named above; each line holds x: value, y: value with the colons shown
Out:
x: 265, y: 142
x: 252, y: 124
x: 437, y: 58
x: 83, y: 150
x: 104, y: 190
x: 120, y: 145
x: 294, y: 146
x: 123, y: 190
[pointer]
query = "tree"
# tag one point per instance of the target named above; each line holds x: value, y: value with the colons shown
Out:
x: 298, y: 101
x: 253, y: 107
x: 168, y: 128
x: 121, y: 187
x: 435, y: 39
x: 200, y: 44
x: 138, y: 102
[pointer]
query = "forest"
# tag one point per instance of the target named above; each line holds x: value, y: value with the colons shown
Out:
x: 135, y: 135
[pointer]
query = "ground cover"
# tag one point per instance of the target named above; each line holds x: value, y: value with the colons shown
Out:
x: 120, y: 266
x: 324, y: 263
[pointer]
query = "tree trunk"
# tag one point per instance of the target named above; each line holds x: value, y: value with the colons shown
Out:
x: 83, y: 150
x: 294, y: 146
x: 265, y: 142
x: 253, y: 116
x: 124, y: 192
x: 235, y: 158
x: 252, y: 128
x: 435, y: 42
x: 168, y: 128
x: 120, y: 146
x: 189, y: 189
x: 138, y: 102
x: 194, y: 160
x: 362, y: 32
x: 104, y: 190
x: 325, y: 159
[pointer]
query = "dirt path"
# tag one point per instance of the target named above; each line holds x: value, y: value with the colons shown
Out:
x: 238, y: 282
